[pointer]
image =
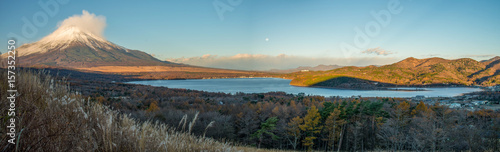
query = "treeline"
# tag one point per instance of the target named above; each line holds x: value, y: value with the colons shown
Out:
x: 284, y: 121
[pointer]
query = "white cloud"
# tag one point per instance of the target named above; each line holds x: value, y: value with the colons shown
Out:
x: 87, y: 21
x: 281, y: 61
x: 480, y: 56
x: 377, y: 51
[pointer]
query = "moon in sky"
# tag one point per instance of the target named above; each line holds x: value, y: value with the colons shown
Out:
x: 267, y: 39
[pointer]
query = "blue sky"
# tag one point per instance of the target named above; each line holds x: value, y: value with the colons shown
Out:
x: 310, y: 29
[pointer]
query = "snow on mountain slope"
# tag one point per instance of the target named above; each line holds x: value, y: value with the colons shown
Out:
x: 75, y: 47
x: 64, y: 37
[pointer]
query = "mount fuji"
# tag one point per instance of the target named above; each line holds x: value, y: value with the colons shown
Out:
x: 77, y: 46
x: 74, y: 47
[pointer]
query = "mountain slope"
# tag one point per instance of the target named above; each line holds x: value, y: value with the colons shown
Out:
x: 411, y: 72
x: 70, y: 46
x: 490, y: 75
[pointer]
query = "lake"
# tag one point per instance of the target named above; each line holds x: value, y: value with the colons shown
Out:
x: 262, y: 85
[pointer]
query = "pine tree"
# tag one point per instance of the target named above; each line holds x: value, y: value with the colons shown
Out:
x: 266, y: 128
x: 311, y: 126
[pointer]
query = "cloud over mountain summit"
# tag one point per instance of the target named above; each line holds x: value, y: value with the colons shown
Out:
x: 86, y: 21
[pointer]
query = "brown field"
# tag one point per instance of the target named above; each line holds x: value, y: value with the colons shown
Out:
x: 132, y: 69
x: 172, y: 72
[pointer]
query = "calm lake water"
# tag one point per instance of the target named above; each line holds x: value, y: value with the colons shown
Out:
x: 262, y: 85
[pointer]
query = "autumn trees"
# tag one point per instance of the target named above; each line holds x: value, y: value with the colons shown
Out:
x: 341, y: 124
x: 353, y: 123
x: 303, y: 122
x: 294, y: 131
x: 311, y: 126
x: 333, y: 127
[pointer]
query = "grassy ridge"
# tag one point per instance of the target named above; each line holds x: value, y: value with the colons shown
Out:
x: 412, y: 72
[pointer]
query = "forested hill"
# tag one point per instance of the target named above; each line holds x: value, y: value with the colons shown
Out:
x: 408, y: 72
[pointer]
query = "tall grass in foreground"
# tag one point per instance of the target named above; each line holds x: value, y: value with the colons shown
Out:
x: 51, y: 118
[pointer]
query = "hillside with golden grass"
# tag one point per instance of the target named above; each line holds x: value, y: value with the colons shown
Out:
x: 408, y: 72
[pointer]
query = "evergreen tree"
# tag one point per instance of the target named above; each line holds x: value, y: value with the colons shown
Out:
x: 311, y: 126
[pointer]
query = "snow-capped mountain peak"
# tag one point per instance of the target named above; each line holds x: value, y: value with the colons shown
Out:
x: 78, y: 43
x: 70, y: 33
x: 64, y: 37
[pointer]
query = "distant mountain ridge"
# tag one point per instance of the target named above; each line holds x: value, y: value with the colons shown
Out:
x: 408, y: 72
x: 492, y: 59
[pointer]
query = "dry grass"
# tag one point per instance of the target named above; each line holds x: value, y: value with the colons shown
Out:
x: 54, y: 119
